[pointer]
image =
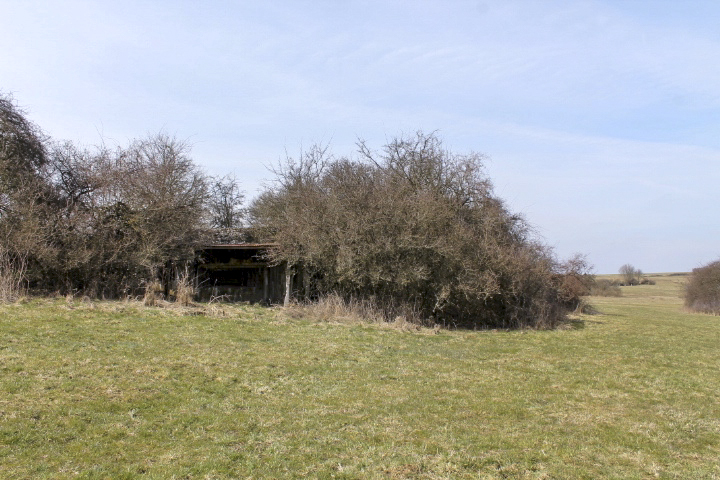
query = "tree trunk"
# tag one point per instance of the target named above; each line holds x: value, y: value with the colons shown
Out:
x: 288, y: 284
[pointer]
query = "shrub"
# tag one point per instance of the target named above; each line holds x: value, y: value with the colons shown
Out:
x: 99, y: 221
x: 702, y: 293
x: 605, y: 288
x: 413, y: 227
x: 575, y: 281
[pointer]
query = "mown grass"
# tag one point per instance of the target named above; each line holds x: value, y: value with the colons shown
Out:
x: 116, y: 390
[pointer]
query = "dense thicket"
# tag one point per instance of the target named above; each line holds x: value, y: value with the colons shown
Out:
x: 415, y: 228
x: 100, y: 221
x: 703, y: 290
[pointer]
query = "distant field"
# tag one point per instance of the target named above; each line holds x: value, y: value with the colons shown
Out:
x: 113, y: 390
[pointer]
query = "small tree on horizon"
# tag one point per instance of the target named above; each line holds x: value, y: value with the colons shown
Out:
x: 631, y: 275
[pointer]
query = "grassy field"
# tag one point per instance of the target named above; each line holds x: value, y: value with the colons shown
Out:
x: 115, y: 390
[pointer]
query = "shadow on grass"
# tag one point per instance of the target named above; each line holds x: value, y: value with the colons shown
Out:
x: 576, y: 324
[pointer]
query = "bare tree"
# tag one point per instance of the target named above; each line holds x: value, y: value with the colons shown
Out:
x: 225, y: 202
x: 630, y: 275
x: 165, y: 193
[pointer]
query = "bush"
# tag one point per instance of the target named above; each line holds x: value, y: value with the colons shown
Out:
x: 605, y: 288
x: 99, y: 221
x: 575, y: 281
x: 414, y: 227
x: 702, y: 293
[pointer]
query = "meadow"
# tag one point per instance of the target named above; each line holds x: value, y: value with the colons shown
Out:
x: 117, y: 390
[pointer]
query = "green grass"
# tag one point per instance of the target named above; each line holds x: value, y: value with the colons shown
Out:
x: 114, y: 390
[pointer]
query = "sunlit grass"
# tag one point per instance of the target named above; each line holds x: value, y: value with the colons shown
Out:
x: 114, y: 390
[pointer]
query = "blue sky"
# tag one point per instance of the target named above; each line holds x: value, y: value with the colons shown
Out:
x: 600, y: 119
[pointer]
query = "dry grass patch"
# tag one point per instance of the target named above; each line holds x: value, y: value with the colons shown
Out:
x: 334, y: 309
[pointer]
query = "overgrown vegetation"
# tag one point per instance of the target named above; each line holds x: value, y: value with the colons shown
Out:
x: 602, y: 287
x: 413, y: 228
x: 103, y: 222
x: 703, y: 290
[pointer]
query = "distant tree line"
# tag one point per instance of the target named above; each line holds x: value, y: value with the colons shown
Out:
x: 413, y: 228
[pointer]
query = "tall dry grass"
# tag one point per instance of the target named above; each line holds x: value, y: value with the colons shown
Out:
x: 185, y: 289
x: 13, y: 282
x: 154, y: 293
x: 334, y: 308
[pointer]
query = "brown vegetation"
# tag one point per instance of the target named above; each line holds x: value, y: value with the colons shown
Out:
x: 413, y: 228
x: 575, y: 281
x: 414, y: 231
x: 606, y: 288
x: 703, y: 289
x: 100, y: 222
